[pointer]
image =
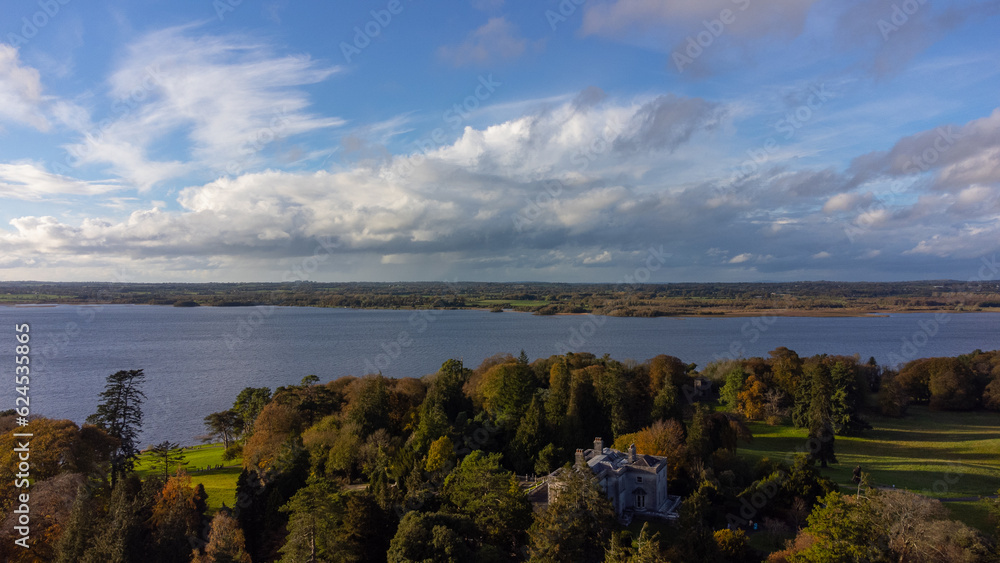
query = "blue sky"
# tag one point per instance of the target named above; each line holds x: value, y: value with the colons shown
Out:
x: 496, y: 140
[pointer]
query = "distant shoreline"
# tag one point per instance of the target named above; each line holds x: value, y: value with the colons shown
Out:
x: 713, y: 314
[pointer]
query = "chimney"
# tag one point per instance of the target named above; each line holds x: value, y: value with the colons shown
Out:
x: 580, y: 460
x: 631, y: 453
x: 598, y: 446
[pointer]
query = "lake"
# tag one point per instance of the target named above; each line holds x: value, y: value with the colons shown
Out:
x: 197, y: 359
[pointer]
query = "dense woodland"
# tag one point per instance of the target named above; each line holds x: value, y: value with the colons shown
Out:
x: 627, y: 298
x: 432, y: 469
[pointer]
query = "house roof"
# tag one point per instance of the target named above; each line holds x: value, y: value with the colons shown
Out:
x: 616, y: 461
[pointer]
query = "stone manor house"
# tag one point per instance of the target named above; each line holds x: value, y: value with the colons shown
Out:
x: 636, y: 484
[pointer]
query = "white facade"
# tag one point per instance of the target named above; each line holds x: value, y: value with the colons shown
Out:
x: 635, y: 483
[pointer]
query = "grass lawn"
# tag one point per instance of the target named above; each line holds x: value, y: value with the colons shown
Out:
x: 938, y: 454
x: 220, y: 484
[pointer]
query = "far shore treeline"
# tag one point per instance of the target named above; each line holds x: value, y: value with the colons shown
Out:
x: 447, y: 467
x: 627, y: 298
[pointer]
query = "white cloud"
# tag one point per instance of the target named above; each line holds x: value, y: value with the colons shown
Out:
x: 230, y: 96
x: 20, y: 91
x: 28, y: 181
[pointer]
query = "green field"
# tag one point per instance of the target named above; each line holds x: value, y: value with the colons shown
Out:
x: 511, y: 302
x: 220, y: 484
x: 943, y: 455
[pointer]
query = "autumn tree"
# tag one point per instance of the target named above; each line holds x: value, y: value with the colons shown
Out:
x: 275, y: 425
x: 51, y: 505
x: 226, y: 543
x: 120, y: 415
x: 751, y: 401
x: 177, y: 517
x: 440, y: 456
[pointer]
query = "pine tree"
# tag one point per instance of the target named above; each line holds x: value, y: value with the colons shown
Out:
x: 529, y: 437
x: 820, y: 421
x: 577, y: 524
x: 120, y: 415
x: 79, y: 531
x: 166, y: 454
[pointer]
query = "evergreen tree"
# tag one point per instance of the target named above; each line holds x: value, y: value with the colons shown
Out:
x: 698, y: 542
x: 432, y: 537
x: 557, y: 401
x: 529, y: 437
x: 249, y: 403
x: 122, y: 535
x: 166, y: 454
x: 577, y: 524
x: 644, y: 549
x: 820, y: 421
x: 491, y: 497
x: 315, y: 512
x: 79, y: 530
x: 120, y: 415
x: 731, y: 390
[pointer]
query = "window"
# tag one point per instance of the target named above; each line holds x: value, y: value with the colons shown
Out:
x: 638, y: 479
x: 640, y: 500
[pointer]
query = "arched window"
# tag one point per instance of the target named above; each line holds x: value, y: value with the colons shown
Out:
x: 640, y: 497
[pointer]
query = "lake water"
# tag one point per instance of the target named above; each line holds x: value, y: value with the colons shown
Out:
x: 197, y: 360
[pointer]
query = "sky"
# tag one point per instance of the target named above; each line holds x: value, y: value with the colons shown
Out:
x: 499, y: 140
